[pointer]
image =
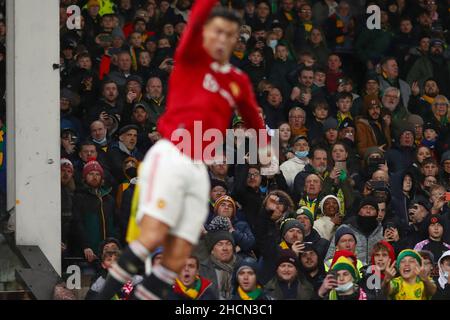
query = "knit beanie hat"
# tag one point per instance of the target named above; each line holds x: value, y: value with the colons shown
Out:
x: 222, y: 199
x: 368, y: 201
x: 289, y: 224
x: 341, y: 231
x: 435, y: 218
x: 330, y: 196
x: 306, y: 212
x: 213, y: 237
x: 287, y: 256
x: 408, y: 253
x: 344, y: 263
x: 92, y: 165
x: 347, y: 254
x: 66, y: 163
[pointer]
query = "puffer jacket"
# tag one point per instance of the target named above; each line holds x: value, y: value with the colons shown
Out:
x: 364, y: 244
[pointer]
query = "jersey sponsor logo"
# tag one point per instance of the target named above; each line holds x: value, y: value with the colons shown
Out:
x: 210, y: 83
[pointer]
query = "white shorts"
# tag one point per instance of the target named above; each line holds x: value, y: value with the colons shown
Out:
x: 174, y: 190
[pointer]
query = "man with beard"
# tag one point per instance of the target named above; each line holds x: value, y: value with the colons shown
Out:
x: 311, y: 236
x: 312, y: 267
x: 93, y: 212
x: 366, y: 229
x: 421, y: 105
x: 434, y: 65
x: 372, y: 131
x: 391, y: 101
x: 109, y: 104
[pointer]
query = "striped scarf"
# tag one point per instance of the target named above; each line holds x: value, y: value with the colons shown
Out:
x: 252, y: 295
x: 191, y: 292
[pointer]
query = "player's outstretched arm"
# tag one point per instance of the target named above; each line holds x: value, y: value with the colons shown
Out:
x: 192, y: 38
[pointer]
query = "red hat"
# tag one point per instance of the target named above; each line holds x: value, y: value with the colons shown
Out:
x: 347, y: 254
x: 92, y: 165
x: 66, y: 163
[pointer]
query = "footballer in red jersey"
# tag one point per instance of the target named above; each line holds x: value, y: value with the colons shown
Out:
x: 173, y: 185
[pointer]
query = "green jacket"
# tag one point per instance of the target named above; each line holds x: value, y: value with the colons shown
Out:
x: 372, y: 44
x: 305, y: 290
x: 422, y: 70
x: 93, y: 217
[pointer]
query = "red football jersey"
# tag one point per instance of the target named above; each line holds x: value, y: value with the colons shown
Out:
x: 203, y: 90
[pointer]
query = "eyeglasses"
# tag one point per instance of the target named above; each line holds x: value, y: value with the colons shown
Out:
x: 440, y: 104
x: 253, y: 175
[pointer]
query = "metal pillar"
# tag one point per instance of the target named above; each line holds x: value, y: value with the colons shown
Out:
x: 33, y: 125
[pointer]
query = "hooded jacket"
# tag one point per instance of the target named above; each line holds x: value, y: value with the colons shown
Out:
x: 364, y: 243
x: 443, y: 287
x: 291, y: 168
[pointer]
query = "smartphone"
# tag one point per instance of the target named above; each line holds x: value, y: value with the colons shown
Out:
x: 333, y: 274
x: 341, y: 165
x: 447, y: 196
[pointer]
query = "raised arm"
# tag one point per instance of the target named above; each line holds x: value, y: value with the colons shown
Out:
x: 192, y: 38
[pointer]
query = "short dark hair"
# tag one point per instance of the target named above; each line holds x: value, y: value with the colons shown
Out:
x: 197, y: 260
x: 86, y: 143
x: 344, y: 95
x: 227, y: 14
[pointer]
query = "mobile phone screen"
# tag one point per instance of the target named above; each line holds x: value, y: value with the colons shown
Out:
x: 447, y: 196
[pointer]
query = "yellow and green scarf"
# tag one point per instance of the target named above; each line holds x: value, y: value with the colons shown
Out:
x: 191, y: 292
x: 253, y: 295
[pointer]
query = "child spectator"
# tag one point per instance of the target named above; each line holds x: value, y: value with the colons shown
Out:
x: 412, y: 283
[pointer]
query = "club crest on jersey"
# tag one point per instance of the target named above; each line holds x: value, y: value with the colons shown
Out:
x: 235, y: 90
x: 210, y: 83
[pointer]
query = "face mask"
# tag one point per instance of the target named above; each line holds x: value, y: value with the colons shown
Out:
x: 100, y: 142
x: 344, y: 287
x: 301, y: 154
x: 273, y: 43
x: 246, y: 36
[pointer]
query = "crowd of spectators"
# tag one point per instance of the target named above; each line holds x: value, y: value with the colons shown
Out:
x: 363, y: 189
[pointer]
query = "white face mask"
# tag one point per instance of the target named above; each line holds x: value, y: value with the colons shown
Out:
x: 273, y: 43
x: 344, y: 287
x: 104, y: 140
x: 246, y: 36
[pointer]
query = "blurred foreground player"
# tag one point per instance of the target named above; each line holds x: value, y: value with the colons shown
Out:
x: 173, y: 186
